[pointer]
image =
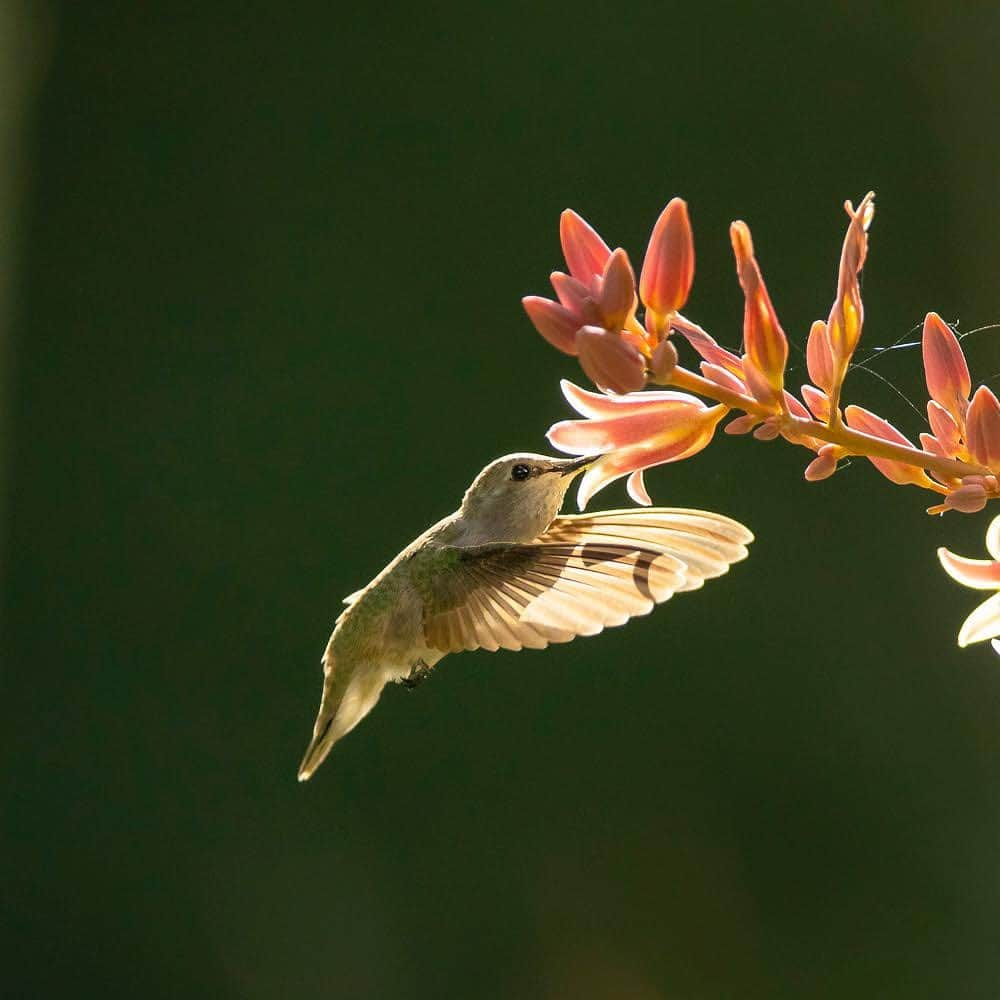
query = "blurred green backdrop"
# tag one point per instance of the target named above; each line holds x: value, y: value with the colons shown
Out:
x: 265, y: 326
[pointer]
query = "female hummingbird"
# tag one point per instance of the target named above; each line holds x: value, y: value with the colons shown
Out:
x: 505, y: 571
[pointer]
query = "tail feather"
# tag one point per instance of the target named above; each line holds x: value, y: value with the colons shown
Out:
x: 349, y: 694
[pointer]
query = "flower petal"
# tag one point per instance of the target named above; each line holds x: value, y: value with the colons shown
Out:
x: 765, y: 341
x: 576, y: 297
x: 823, y: 465
x: 993, y: 538
x: 983, y: 623
x: 981, y: 574
x: 843, y: 328
x: 945, y: 368
x: 722, y: 376
x: 668, y: 267
x: 707, y: 346
x: 553, y: 321
x: 596, y: 404
x: 617, y: 298
x: 819, y: 357
x: 664, y: 360
x: 944, y: 427
x: 677, y: 440
x: 901, y: 473
x: 983, y: 428
x: 636, y: 487
x: 595, y: 437
x: 585, y: 252
x: 817, y: 401
x: 611, y: 362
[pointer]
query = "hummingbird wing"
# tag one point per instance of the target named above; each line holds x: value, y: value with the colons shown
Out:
x: 586, y: 572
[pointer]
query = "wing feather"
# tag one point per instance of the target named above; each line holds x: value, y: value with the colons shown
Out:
x: 585, y: 573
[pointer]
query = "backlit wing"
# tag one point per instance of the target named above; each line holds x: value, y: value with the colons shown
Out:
x: 585, y: 573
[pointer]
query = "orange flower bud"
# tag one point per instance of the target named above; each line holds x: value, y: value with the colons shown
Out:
x: 945, y: 429
x: 553, y: 321
x: 818, y: 402
x: 945, y: 368
x: 819, y: 357
x: 668, y: 267
x: 983, y: 429
x: 585, y: 252
x: 823, y: 465
x: 617, y: 297
x: 765, y: 341
x: 611, y: 362
x: 664, y: 360
x: 847, y: 314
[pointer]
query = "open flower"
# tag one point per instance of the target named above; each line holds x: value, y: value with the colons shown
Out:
x: 632, y: 433
x: 982, y: 574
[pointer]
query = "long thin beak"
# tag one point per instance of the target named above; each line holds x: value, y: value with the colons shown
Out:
x: 576, y: 464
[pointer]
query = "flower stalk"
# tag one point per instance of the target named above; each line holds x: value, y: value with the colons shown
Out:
x: 853, y: 442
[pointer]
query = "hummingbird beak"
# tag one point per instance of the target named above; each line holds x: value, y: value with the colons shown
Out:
x: 574, y: 465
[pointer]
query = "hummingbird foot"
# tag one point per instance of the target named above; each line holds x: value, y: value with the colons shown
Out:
x: 417, y: 673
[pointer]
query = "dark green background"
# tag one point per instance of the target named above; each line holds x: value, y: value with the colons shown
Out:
x: 266, y: 328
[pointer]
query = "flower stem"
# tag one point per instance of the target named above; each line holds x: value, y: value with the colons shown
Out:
x: 855, y: 442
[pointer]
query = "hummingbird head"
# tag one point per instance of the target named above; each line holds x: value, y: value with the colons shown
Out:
x: 515, y: 498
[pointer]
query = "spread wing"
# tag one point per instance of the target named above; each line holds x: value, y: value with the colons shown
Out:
x: 585, y: 573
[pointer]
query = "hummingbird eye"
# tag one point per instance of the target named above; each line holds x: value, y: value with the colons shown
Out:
x: 520, y: 471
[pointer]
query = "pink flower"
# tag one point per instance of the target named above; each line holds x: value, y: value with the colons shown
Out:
x: 632, y: 433
x: 982, y: 574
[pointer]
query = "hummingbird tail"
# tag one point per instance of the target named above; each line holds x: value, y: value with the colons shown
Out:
x: 348, y: 696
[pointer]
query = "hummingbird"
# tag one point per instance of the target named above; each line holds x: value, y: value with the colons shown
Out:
x: 505, y: 571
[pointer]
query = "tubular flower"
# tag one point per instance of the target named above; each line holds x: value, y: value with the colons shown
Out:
x: 612, y: 363
x: 983, y: 423
x: 945, y: 369
x: 765, y: 341
x: 982, y: 574
x: 632, y: 433
x: 819, y: 357
x: 668, y: 267
x: 585, y: 252
x: 843, y: 328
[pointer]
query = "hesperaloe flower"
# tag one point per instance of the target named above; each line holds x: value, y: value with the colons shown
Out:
x: 981, y: 574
